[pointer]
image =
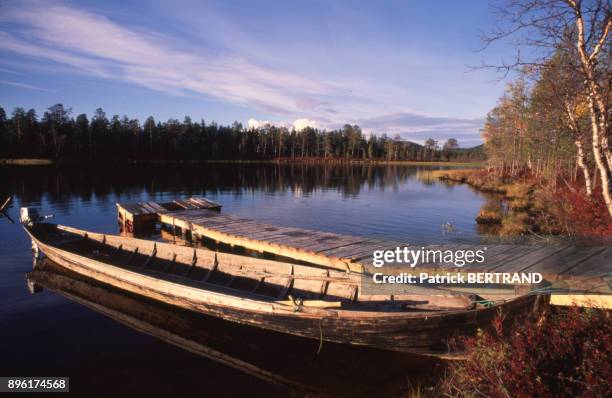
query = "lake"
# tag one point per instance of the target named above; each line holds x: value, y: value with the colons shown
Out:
x: 47, y: 334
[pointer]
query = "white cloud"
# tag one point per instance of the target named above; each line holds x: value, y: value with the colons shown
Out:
x: 298, y: 124
x: 256, y: 124
x: 302, y: 123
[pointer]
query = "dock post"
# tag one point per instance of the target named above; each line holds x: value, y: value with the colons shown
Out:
x: 36, y: 256
x: 173, y: 230
x: 32, y: 286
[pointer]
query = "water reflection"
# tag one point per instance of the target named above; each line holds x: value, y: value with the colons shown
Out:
x: 31, y: 183
x: 383, y: 201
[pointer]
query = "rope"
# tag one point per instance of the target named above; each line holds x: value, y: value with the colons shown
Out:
x: 320, y: 336
x: 489, y: 303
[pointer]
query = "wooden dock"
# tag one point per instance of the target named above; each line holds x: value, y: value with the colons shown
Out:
x: 352, y: 253
x: 316, y: 247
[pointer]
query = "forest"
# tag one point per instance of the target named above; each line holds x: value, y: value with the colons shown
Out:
x: 58, y: 135
x: 552, y: 123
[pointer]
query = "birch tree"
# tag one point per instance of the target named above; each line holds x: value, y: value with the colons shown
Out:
x: 544, y: 27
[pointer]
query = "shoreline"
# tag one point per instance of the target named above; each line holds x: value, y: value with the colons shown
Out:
x: 528, y: 206
x: 334, y: 161
x: 524, y: 213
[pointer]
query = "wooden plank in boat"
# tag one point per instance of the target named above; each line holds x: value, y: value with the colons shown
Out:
x: 304, y: 288
x: 340, y: 290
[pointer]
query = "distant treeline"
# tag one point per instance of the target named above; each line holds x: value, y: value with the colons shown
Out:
x: 58, y: 135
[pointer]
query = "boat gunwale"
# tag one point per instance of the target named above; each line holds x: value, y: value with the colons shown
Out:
x: 275, y: 308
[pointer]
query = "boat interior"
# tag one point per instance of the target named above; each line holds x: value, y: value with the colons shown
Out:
x: 241, y: 276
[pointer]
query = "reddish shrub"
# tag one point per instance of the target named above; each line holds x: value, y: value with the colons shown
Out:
x: 588, y: 214
x: 567, y: 353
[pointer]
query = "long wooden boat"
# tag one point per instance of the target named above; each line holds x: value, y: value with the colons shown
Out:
x: 320, y: 304
x: 294, y: 363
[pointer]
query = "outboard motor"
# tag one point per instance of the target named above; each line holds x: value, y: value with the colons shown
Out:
x: 30, y: 216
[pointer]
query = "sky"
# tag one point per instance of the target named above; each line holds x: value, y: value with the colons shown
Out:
x: 394, y: 67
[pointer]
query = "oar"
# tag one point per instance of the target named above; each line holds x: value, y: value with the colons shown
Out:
x: 3, y: 207
x: 5, y: 203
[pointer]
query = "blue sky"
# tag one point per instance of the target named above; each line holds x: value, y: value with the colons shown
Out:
x: 395, y: 67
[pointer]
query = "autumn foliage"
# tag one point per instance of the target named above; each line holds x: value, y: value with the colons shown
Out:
x: 588, y: 215
x: 567, y: 353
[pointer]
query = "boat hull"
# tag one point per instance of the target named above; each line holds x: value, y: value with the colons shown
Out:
x: 427, y: 334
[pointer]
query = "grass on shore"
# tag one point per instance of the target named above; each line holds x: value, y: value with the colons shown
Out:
x: 533, y: 205
x: 519, y: 195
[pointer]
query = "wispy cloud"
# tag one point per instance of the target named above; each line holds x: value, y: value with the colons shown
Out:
x: 95, y: 44
x: 12, y: 72
x: 411, y: 122
x: 23, y: 85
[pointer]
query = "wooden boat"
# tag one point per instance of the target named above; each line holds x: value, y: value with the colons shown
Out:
x: 297, y: 299
x: 291, y: 362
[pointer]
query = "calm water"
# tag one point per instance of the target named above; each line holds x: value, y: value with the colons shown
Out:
x: 46, y: 334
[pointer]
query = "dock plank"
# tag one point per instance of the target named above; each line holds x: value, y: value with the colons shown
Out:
x: 558, y: 264
x: 598, y: 265
x: 531, y: 259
